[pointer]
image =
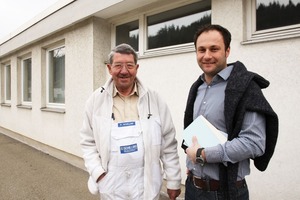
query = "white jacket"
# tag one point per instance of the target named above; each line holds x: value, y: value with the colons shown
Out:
x: 158, y: 136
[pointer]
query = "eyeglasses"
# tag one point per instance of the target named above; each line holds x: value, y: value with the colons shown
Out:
x: 121, y: 65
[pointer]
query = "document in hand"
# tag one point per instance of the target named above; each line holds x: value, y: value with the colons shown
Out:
x: 206, y: 133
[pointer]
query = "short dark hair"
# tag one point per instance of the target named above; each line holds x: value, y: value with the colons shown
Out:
x: 214, y: 27
x: 122, y: 49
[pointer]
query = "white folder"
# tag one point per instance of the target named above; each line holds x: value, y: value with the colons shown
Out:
x: 206, y: 133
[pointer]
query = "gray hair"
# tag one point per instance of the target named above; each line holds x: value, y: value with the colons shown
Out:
x: 122, y: 49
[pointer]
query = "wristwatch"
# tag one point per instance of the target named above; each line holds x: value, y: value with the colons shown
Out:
x: 199, y: 158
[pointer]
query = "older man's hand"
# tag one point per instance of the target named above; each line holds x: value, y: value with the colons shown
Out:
x: 173, y: 193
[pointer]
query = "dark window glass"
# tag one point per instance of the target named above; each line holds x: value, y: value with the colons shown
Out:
x: 177, y: 26
x: 27, y: 80
x: 277, y: 13
x: 7, y: 83
x: 57, y: 75
x: 128, y: 33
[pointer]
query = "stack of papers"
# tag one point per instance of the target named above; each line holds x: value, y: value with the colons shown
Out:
x: 206, y: 133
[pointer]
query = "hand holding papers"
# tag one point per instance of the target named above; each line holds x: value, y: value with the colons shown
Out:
x: 205, y: 132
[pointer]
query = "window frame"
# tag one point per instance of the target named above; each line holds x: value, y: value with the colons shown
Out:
x: 6, y: 101
x: 253, y: 36
x: 142, y: 40
x: 48, y: 103
x: 23, y: 102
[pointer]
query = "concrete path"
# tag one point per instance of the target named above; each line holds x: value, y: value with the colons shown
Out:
x: 28, y: 174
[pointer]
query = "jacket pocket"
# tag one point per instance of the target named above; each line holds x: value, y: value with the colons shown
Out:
x: 155, y: 131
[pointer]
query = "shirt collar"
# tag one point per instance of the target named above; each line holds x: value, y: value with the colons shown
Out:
x: 225, y: 73
x: 222, y: 75
x: 134, y: 91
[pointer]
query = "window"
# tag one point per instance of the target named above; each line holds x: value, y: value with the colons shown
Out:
x: 272, y: 19
x: 128, y: 33
x: 162, y: 30
x: 56, y: 77
x: 274, y: 14
x: 26, y: 81
x: 7, y: 83
x: 5, y: 72
x: 177, y: 26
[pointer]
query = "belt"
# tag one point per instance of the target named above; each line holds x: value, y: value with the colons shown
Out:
x: 212, y: 185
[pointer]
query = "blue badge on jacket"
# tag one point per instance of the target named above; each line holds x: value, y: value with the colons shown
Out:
x: 128, y: 148
x: 123, y: 124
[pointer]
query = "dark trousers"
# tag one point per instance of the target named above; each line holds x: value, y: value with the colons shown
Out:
x: 193, y: 193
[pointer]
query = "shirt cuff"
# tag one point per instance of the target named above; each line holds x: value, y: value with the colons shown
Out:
x: 214, y: 154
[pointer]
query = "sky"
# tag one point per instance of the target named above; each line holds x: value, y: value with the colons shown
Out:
x: 14, y: 13
x: 285, y: 2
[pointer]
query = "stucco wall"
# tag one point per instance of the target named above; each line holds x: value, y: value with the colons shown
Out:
x: 51, y: 131
x: 278, y: 62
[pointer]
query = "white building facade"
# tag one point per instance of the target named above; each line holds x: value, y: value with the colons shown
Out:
x: 52, y: 64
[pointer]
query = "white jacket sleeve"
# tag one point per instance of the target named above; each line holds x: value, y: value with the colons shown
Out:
x: 91, y: 154
x: 169, y: 154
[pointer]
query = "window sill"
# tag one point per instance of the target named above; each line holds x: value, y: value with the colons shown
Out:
x: 55, y: 110
x: 164, y: 51
x: 6, y: 104
x: 28, y: 107
x: 272, y: 36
